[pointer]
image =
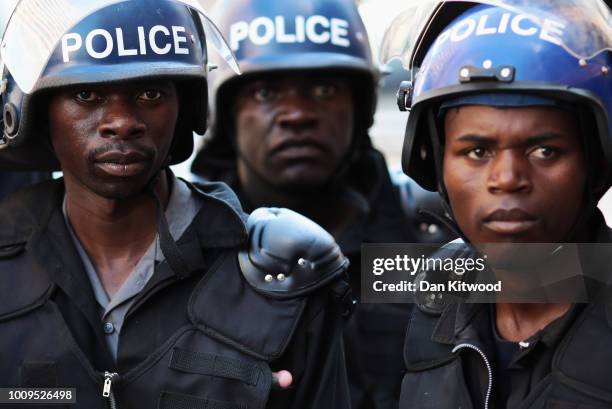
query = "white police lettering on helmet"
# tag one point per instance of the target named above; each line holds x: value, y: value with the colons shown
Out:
x: 520, y: 24
x: 315, y: 29
x: 160, y: 40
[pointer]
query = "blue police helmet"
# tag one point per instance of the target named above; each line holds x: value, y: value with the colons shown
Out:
x: 271, y: 36
x: 549, y: 50
x: 93, y: 42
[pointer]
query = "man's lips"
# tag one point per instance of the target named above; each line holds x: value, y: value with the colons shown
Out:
x: 299, y: 149
x: 122, y: 164
x: 121, y: 157
x: 510, y: 221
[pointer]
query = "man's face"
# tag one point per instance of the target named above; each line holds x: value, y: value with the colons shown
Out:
x: 514, y: 175
x: 112, y: 139
x: 293, y: 130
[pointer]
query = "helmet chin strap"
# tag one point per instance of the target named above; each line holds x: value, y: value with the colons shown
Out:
x: 578, y: 232
x: 438, y: 155
x: 167, y: 244
x: 352, y: 155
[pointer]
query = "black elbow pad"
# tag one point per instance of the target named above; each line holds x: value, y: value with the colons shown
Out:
x: 289, y: 255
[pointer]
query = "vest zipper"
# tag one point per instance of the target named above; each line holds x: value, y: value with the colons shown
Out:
x: 107, y: 390
x: 489, y: 370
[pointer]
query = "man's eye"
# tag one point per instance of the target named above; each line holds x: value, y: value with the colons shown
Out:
x: 477, y: 153
x: 323, y: 91
x: 544, y: 152
x: 265, y: 94
x: 151, y: 95
x: 87, y: 96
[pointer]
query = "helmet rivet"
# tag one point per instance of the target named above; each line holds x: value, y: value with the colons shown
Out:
x: 605, y: 70
x: 505, y: 72
x: 487, y: 64
x: 582, y: 62
x: 281, y: 277
x: 193, y: 39
x: 269, y: 278
x: 11, y: 122
x: 423, y: 152
x: 464, y: 73
x: 302, y: 262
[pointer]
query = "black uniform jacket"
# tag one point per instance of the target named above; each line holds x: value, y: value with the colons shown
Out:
x: 11, y: 181
x: 374, y: 334
x: 451, y: 361
x: 205, y: 340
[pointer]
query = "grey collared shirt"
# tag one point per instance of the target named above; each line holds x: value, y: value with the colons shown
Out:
x: 183, y: 206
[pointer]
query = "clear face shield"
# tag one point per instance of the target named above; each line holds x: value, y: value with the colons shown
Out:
x: 31, y: 30
x: 582, y: 27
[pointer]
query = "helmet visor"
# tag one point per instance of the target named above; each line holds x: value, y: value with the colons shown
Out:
x: 35, y: 29
x: 582, y: 27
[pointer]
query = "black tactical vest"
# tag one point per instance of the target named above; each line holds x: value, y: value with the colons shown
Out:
x: 208, y: 363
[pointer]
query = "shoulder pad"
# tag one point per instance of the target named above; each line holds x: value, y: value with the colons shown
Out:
x: 434, y: 302
x: 288, y: 254
x: 430, y: 302
x: 421, y: 353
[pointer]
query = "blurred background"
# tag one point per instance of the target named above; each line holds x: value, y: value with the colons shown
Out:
x: 388, y: 130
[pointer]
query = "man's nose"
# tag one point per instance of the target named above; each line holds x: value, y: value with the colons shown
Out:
x: 120, y: 119
x: 297, y: 111
x: 509, y: 173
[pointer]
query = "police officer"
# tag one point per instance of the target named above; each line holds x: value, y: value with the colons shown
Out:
x: 136, y: 288
x: 517, y: 140
x: 292, y: 131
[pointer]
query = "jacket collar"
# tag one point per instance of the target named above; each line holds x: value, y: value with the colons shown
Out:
x: 220, y: 222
